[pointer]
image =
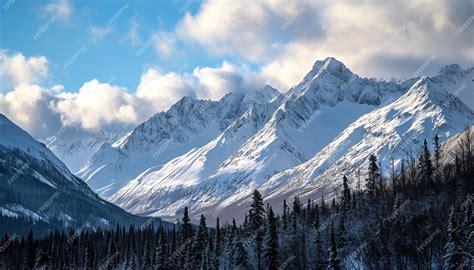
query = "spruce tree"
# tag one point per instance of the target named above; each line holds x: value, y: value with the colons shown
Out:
x: 240, y: 257
x: 341, y: 243
x: 257, y: 222
x: 271, y: 250
x: 187, y: 229
x: 373, y: 177
x: 437, y: 154
x: 427, y: 165
x: 200, y: 243
x: 30, y: 251
x: 319, y: 254
x: 334, y: 261
x: 89, y: 255
x: 454, y: 253
x: 346, y: 194
x: 42, y: 261
x: 284, y: 217
x: 111, y: 260
x: 218, y: 244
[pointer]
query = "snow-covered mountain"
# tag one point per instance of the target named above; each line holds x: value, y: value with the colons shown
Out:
x: 211, y: 155
x: 75, y: 146
x: 34, y: 183
x: 392, y: 133
x: 187, y: 125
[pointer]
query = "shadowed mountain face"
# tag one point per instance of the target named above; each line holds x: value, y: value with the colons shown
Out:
x: 37, y: 186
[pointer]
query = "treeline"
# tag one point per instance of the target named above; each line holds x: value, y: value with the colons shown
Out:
x: 418, y: 218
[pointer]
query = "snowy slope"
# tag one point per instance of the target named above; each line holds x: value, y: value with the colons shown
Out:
x: 11, y: 136
x: 158, y: 187
x: 211, y: 155
x: 34, y: 183
x: 391, y: 133
x: 189, y: 124
x: 303, y: 123
x: 75, y: 146
x: 458, y: 81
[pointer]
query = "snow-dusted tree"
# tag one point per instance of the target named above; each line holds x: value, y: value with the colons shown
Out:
x: 454, y: 251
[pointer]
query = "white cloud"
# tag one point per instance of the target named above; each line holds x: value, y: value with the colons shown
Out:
x: 61, y: 9
x: 239, y: 27
x: 164, y: 43
x: 30, y: 107
x: 214, y: 83
x: 98, y: 32
x: 97, y: 105
x: 163, y: 90
x: 374, y: 38
x: 16, y: 69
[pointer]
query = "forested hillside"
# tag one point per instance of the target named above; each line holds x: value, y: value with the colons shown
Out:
x: 418, y: 218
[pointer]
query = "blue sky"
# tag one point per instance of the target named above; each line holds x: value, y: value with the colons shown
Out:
x: 112, y: 57
x: 73, y: 62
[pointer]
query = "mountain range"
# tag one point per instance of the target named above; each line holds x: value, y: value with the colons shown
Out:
x: 38, y: 188
x: 211, y: 155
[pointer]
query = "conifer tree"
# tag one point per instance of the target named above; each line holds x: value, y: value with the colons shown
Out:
x: 284, y: 217
x: 454, y: 252
x: 373, y: 177
x: 334, y: 262
x: 271, y: 252
x: 346, y: 194
x: 89, y: 256
x: 42, y: 261
x: 240, y: 257
x: 427, y: 165
x: 111, y: 260
x: 256, y: 216
x: 30, y: 251
x: 200, y: 243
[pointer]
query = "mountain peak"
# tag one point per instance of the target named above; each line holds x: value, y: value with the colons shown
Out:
x: 330, y: 64
x: 450, y: 70
x: 425, y: 90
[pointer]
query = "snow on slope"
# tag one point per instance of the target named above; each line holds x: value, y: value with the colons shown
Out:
x: 303, y: 124
x: 35, y: 183
x: 189, y: 124
x: 458, y: 81
x: 217, y: 165
x: 157, y: 188
x: 391, y: 133
x: 11, y: 136
x: 75, y: 146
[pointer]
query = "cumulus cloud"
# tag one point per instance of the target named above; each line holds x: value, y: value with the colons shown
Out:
x: 286, y: 38
x: 16, y: 69
x: 162, y: 90
x: 253, y: 31
x: 97, y: 105
x: 214, y: 83
x: 30, y: 107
